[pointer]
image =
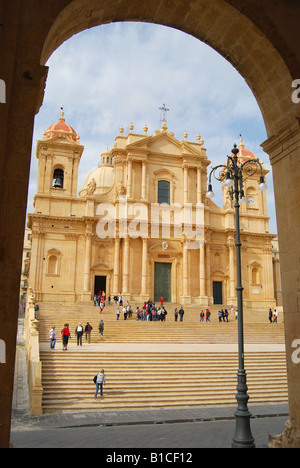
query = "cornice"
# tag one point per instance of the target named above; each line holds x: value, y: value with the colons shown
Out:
x: 279, y: 146
x: 66, y: 219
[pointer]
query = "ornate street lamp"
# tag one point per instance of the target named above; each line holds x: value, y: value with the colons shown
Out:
x: 233, y: 174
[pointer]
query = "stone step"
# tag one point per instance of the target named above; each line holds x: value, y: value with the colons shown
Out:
x: 156, y: 401
x: 157, y: 378
x: 184, y: 379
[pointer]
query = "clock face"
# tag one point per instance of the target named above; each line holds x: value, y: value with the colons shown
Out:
x: 251, y: 200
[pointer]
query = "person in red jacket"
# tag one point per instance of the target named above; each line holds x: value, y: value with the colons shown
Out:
x: 65, y: 334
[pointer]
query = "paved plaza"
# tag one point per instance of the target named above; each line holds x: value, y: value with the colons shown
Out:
x: 148, y: 429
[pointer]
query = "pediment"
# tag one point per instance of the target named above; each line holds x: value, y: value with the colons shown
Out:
x: 165, y: 143
x: 54, y: 252
x: 101, y: 266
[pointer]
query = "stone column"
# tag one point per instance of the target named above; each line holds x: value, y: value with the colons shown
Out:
x: 199, y: 187
x: 144, y: 267
x: 129, y: 180
x: 24, y: 96
x: 268, y: 277
x: 185, y: 269
x: 284, y: 152
x: 186, y: 299
x: 144, y: 175
x: 202, y: 272
x: 208, y: 271
x: 126, y: 267
x: 116, y: 267
x: 185, y: 184
x: 87, y: 267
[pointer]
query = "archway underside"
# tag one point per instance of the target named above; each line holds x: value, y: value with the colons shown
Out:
x: 216, y: 23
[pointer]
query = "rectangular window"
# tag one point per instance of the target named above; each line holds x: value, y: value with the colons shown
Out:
x: 163, y: 192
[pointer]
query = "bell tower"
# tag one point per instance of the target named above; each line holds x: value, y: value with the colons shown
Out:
x: 59, y: 154
x: 254, y: 203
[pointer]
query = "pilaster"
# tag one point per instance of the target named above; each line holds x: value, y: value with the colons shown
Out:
x: 284, y: 152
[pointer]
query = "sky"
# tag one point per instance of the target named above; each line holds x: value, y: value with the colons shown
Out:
x: 120, y: 73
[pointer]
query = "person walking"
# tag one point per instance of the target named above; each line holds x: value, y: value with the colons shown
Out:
x: 270, y: 316
x: 207, y: 315
x: 52, y: 336
x: 201, y: 316
x: 36, y: 309
x: 275, y: 316
x: 79, y: 333
x: 100, y: 381
x: 101, y: 328
x: 181, y: 313
x: 220, y: 316
x: 87, y: 330
x: 65, y: 334
x: 176, y: 314
x: 118, y: 313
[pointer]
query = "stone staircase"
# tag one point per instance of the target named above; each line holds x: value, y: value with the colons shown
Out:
x: 144, y: 371
x: 257, y: 326
x: 152, y: 380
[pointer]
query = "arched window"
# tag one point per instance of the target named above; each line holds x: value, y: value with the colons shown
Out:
x: 58, y: 179
x: 52, y: 265
x: 163, y: 192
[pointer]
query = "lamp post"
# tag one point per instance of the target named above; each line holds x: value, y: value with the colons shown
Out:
x: 233, y: 172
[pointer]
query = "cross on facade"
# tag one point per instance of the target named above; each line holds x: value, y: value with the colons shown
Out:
x: 163, y: 114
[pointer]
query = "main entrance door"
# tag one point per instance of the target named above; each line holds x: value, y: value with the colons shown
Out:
x: 217, y: 292
x: 162, y: 281
x: 100, y: 284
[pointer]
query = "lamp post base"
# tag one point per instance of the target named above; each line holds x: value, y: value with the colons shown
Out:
x: 243, y: 437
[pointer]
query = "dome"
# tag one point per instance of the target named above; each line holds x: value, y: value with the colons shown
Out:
x: 61, y: 130
x: 101, y: 179
x: 245, y: 154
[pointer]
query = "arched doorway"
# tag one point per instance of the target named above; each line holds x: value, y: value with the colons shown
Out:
x: 259, y: 53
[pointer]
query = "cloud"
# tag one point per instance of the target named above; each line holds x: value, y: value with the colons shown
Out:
x: 123, y: 72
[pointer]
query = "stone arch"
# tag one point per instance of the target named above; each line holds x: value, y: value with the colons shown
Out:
x: 260, y: 41
x: 218, y: 24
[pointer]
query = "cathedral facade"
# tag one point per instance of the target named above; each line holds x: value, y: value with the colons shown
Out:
x: 142, y: 226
